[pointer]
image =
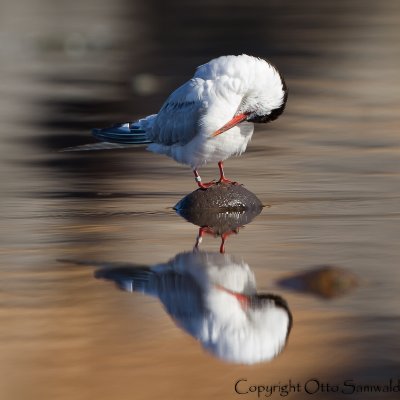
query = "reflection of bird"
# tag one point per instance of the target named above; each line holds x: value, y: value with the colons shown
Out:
x: 213, y: 297
x: 227, y: 94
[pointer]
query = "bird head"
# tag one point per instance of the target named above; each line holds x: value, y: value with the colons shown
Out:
x: 262, y: 107
x: 262, y: 87
x: 257, y: 331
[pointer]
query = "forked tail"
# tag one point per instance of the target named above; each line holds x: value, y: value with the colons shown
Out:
x: 129, y: 133
x: 119, y: 136
x: 130, y: 279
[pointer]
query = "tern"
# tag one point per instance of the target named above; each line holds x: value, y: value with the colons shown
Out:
x: 211, y: 117
x: 213, y: 297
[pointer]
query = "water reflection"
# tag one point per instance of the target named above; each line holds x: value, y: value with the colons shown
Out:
x: 213, y: 297
x: 327, y: 281
x: 221, y: 224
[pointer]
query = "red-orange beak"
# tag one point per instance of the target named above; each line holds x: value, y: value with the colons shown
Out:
x: 243, y: 299
x: 237, y: 119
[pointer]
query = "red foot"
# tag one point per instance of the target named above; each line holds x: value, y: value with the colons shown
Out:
x: 226, y: 180
x: 222, y: 178
x: 205, y: 185
x: 202, y: 231
x: 206, y: 230
x: 209, y: 231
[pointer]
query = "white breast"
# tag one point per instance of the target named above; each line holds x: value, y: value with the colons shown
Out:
x: 185, y: 133
x: 203, y: 148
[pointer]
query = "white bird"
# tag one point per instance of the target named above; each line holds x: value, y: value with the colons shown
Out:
x: 228, y: 94
x: 213, y: 297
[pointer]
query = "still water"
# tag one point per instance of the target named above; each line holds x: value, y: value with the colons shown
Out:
x: 78, y: 228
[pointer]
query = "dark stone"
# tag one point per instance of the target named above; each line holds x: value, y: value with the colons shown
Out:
x: 219, y: 222
x: 220, y: 198
x: 221, y: 207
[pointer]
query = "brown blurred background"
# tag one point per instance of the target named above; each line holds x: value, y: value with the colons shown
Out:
x: 328, y: 168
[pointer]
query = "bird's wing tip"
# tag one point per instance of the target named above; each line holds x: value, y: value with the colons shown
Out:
x: 94, y: 146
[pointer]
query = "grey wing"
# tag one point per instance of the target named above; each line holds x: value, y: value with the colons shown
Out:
x: 178, y: 120
x: 180, y: 294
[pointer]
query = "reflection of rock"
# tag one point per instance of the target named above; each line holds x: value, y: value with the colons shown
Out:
x: 219, y: 221
x: 325, y: 281
x: 218, y: 215
x: 213, y: 297
x: 220, y: 197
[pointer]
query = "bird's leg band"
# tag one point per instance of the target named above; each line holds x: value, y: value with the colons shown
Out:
x: 197, y: 177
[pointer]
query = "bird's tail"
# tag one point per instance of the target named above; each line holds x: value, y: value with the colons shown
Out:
x: 119, y: 136
x: 129, y: 133
x: 129, y: 279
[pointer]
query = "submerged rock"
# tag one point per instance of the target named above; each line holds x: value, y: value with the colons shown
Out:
x: 325, y: 281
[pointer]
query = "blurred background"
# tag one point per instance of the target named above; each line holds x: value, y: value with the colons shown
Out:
x: 328, y: 169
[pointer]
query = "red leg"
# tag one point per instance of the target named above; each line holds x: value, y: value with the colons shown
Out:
x: 202, y: 230
x: 209, y: 231
x: 224, y: 236
x: 222, y: 178
x: 197, y: 178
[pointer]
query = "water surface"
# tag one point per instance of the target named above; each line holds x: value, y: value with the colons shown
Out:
x: 328, y: 170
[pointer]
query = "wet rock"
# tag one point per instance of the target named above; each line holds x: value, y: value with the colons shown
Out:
x: 325, y: 281
x: 219, y: 198
x: 219, y: 222
x: 221, y: 210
